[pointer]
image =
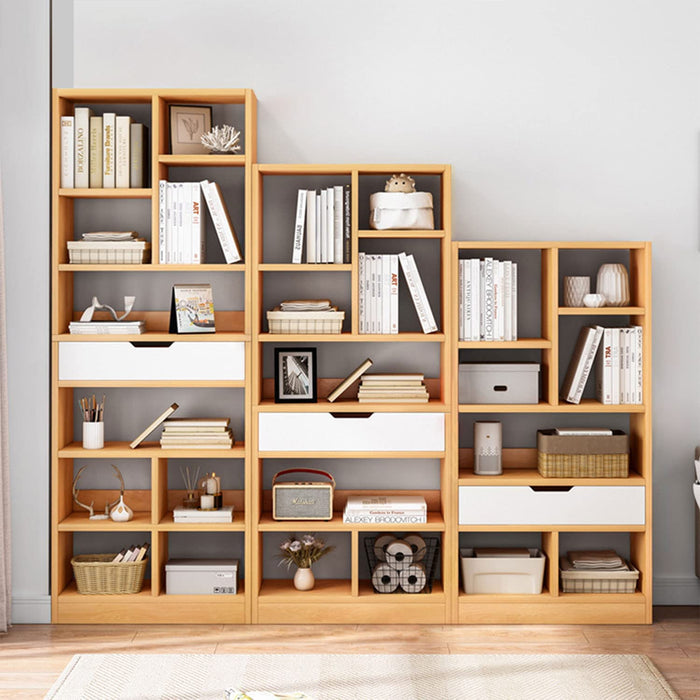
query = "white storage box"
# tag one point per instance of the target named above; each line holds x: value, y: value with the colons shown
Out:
x: 305, y: 321
x: 574, y: 505
x: 109, y: 252
x: 135, y: 361
x: 502, y: 574
x: 373, y: 432
x: 201, y: 576
x: 499, y: 382
x: 401, y: 210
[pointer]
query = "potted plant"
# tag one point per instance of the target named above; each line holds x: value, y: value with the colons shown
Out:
x: 303, y: 553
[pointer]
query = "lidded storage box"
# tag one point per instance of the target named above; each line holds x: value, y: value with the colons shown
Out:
x: 502, y: 574
x: 401, y: 210
x: 580, y: 456
x: 499, y: 382
x: 201, y: 576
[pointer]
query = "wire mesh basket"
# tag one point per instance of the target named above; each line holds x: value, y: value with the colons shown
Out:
x: 405, y: 564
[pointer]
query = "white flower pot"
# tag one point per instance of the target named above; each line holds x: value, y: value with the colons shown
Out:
x: 304, y: 579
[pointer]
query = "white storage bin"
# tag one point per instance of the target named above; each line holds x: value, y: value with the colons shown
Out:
x: 576, y: 505
x: 401, y: 210
x: 502, y: 574
x: 374, y: 432
x: 499, y: 382
x: 201, y: 576
x: 136, y: 361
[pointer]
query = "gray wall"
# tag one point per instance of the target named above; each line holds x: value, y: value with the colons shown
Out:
x: 561, y: 121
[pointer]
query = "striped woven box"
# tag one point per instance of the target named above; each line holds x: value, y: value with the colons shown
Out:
x: 582, y: 456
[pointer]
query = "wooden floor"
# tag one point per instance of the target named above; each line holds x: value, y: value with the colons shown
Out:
x: 32, y: 656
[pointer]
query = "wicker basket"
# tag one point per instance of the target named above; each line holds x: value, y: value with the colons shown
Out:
x: 592, y: 581
x: 570, y: 456
x: 108, y: 252
x: 323, y: 322
x: 95, y: 574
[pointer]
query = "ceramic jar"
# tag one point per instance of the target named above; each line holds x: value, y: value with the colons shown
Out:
x: 613, y: 283
x: 304, y: 579
x: 121, y: 513
x: 575, y: 288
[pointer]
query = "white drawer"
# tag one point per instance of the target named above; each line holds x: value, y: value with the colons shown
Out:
x: 375, y: 432
x: 138, y: 361
x: 578, y: 505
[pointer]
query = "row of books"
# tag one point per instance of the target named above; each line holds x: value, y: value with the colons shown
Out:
x: 136, y: 552
x: 618, y: 354
x: 107, y: 150
x: 196, y: 433
x: 375, y: 510
x: 325, y: 217
x: 181, y: 231
x: 488, y: 299
x: 379, y: 293
x: 393, y: 388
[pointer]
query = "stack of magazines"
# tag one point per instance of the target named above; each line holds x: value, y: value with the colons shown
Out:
x: 375, y: 510
x: 197, y: 433
x: 107, y: 327
x: 392, y: 388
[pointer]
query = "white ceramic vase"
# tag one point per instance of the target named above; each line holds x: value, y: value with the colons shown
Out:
x: 121, y: 513
x: 614, y: 284
x: 575, y: 288
x: 304, y: 579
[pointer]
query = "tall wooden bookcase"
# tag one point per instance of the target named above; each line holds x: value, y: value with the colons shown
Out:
x: 434, y: 437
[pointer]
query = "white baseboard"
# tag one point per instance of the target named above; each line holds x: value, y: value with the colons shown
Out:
x: 31, y: 609
x: 677, y: 591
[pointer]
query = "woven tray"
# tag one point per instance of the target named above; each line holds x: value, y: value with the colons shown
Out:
x: 583, y: 466
x: 108, y: 253
x: 95, y: 574
x: 597, y: 581
x: 324, y: 322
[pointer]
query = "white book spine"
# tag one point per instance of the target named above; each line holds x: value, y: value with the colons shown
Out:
x: 394, y: 294
x: 82, y: 146
x: 514, y: 293
x: 475, y: 275
x: 197, y: 224
x: 162, y: 218
x: 489, y: 304
x: 385, y: 519
x: 299, y: 226
x: 590, y: 353
x: 338, y: 224
x: 183, y: 243
x: 385, y: 294
x: 224, y: 229
x: 324, y: 225
x: 67, y: 152
x: 311, y: 226
x: 330, y: 220
x: 373, y: 294
x: 319, y: 237
x: 615, y: 389
x: 362, y: 271
x: 604, y: 368
x: 169, y: 222
x: 639, y: 375
x: 420, y: 298
x: 109, y: 123
x: 122, y: 171
x: 460, y: 297
x: 95, y: 162
x: 624, y: 366
x: 576, y: 363
x: 507, y: 300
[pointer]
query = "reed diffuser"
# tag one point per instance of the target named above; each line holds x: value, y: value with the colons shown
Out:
x: 191, y: 499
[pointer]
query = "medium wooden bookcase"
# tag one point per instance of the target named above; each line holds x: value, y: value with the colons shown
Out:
x: 263, y: 195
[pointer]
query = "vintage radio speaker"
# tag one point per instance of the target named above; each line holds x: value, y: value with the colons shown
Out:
x: 487, y: 447
x: 302, y: 500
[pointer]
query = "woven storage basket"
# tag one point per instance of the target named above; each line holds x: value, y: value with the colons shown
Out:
x: 108, y: 253
x: 95, y: 574
x: 597, y: 581
x: 567, y: 456
x: 323, y: 322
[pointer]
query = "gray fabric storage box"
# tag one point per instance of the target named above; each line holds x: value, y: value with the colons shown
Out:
x: 499, y: 382
x: 201, y: 576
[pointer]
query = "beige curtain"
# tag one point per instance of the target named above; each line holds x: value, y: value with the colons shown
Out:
x: 5, y: 553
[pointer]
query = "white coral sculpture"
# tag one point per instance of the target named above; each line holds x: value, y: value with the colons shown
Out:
x: 222, y: 139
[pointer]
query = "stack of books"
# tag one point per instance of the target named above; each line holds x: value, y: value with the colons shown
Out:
x: 106, y: 327
x: 604, y: 560
x: 195, y: 515
x: 199, y: 433
x: 376, y: 510
x: 393, y: 388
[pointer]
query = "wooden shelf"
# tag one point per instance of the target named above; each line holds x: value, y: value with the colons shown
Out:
x: 70, y: 593
x: 152, y: 267
x: 80, y: 522
x: 436, y: 523
x: 522, y: 344
x: 147, y: 450
x: 168, y: 525
x: 172, y: 383
x: 545, y: 527
x: 396, y: 233
x: 283, y: 591
x: 602, y: 311
x: 586, y: 406
x: 304, y: 267
x: 368, y: 594
x: 205, y: 160
x: 344, y: 406
x: 108, y: 193
x: 531, y: 477
x: 351, y: 455
x: 154, y: 337
x: 351, y: 337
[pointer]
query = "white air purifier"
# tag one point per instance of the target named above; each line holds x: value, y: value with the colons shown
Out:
x: 487, y: 447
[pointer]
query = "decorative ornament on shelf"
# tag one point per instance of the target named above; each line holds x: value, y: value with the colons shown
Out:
x: 594, y: 301
x: 575, y: 289
x: 97, y: 306
x: 108, y: 506
x: 613, y: 283
x: 400, y: 183
x: 121, y: 513
x: 222, y: 139
x: 303, y: 553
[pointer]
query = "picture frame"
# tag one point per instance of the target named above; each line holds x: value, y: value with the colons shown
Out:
x: 192, y: 309
x: 188, y: 123
x: 295, y: 375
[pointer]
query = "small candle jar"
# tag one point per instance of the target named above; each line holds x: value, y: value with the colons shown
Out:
x: 206, y: 502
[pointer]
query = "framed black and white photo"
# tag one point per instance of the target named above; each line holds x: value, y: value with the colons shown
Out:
x: 295, y: 375
x: 188, y: 123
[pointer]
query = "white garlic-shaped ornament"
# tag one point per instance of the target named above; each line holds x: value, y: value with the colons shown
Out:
x: 121, y: 512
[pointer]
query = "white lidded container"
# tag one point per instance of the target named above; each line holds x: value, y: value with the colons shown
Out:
x: 502, y: 574
x: 201, y: 576
x: 499, y: 382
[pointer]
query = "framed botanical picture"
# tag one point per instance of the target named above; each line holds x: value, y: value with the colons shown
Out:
x: 188, y: 123
x: 295, y: 375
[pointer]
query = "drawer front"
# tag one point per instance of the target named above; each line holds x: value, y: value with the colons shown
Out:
x: 375, y: 432
x: 140, y: 361
x: 579, y: 505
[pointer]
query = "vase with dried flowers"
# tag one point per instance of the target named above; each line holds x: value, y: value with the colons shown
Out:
x: 303, y: 552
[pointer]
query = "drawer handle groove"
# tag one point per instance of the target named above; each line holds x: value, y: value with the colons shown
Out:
x: 352, y: 415
x: 151, y: 343
x: 500, y: 387
x: 559, y: 489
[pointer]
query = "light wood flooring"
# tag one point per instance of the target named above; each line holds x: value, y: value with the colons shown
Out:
x: 32, y: 656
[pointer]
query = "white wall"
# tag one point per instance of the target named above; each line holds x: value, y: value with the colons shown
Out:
x: 561, y: 121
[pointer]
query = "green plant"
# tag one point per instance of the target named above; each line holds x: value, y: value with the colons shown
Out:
x: 303, y: 552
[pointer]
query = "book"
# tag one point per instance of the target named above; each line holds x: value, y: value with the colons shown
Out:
x: 107, y: 327
x: 394, y: 294
x: 476, y: 298
x: 362, y: 271
x: 580, y: 363
x: 141, y: 552
x: 384, y: 519
x: 386, y: 503
x: 139, y: 156
x: 604, y: 368
x: 392, y: 399
x: 95, y: 152
x: 488, y: 300
x: 122, y: 151
x: 311, y: 226
x: 142, y: 436
x: 407, y: 376
x: 162, y: 217
x: 385, y: 294
x: 420, y: 299
x: 502, y: 552
x: 67, y: 152
x: 354, y: 375
x: 192, y: 309
x: 338, y: 242
x: 82, y: 146
x: 347, y: 222
x: 109, y: 123
x: 639, y: 367
x: 222, y: 222
x: 322, y: 220
x: 194, y: 515
x: 302, y: 196
x: 583, y: 431
x: 615, y: 366
x: 199, y: 238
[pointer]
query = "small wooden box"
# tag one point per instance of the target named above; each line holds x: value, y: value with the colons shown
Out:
x: 582, y: 456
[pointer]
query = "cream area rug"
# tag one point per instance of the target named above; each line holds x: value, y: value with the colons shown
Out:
x: 361, y: 677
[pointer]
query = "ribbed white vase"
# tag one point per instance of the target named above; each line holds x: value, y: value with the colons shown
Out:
x: 613, y: 283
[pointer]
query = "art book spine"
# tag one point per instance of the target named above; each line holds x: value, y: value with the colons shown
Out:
x: 67, y: 152
x: 299, y: 226
x: 123, y: 152
x: 162, y: 217
x: 109, y: 124
x: 95, y: 157
x: 338, y: 224
x: 138, y: 161
x: 347, y: 224
x: 311, y: 226
x: 82, y: 146
x: 374, y: 268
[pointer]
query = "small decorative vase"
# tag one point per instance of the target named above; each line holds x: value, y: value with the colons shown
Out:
x: 575, y: 288
x: 121, y: 513
x: 613, y: 283
x: 304, y: 579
